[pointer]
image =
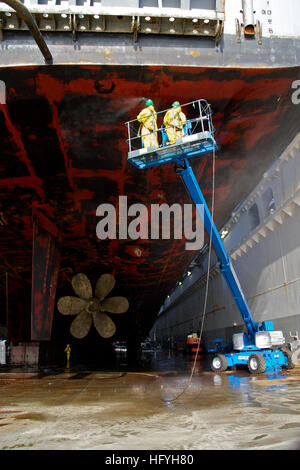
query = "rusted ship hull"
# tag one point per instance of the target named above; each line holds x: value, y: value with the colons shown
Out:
x: 64, y: 152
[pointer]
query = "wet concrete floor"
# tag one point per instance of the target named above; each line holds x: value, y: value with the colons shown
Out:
x: 158, y: 408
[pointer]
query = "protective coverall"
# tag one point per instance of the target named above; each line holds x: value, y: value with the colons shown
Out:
x: 174, y: 121
x: 148, y: 120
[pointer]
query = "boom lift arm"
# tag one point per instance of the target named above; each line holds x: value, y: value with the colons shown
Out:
x: 226, y: 267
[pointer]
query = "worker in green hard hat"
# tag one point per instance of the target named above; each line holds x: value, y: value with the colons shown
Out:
x: 148, y: 126
x: 174, y: 121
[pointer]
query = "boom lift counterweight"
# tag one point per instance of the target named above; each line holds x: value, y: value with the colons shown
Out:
x: 258, y: 348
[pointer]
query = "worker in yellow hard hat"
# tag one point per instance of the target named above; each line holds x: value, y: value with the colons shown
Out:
x: 148, y: 120
x: 174, y: 121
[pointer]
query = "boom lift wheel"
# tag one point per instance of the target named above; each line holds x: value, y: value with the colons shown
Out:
x: 256, y: 363
x: 290, y: 363
x: 219, y: 363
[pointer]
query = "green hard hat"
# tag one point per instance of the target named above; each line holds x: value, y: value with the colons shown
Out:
x: 149, y: 102
x: 175, y: 104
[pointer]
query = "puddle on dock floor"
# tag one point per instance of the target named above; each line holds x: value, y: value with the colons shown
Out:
x: 155, y: 409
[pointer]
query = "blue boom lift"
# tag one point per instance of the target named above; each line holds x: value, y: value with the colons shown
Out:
x: 258, y: 348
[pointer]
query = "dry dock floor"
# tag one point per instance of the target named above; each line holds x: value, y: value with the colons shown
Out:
x: 155, y: 409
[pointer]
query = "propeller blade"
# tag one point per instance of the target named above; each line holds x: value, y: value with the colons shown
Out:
x: 104, y: 325
x: 104, y: 285
x: 82, y: 286
x: 71, y: 305
x: 115, y: 305
x: 81, y: 325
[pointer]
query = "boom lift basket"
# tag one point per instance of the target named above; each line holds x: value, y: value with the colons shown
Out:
x: 197, y: 140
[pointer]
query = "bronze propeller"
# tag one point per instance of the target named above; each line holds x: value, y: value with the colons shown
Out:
x: 91, y: 309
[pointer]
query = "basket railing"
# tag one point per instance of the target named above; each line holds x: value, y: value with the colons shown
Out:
x: 198, y: 119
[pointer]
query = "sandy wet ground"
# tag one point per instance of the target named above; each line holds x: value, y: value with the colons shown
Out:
x: 150, y: 410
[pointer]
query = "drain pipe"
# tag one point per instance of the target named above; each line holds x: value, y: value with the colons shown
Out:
x: 26, y: 16
x: 248, y: 17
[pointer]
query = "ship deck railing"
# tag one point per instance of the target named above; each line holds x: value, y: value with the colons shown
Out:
x: 198, y: 138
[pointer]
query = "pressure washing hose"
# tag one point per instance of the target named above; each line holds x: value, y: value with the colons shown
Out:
x: 26, y: 16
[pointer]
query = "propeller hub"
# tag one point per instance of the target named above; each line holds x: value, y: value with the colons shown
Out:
x: 93, y: 306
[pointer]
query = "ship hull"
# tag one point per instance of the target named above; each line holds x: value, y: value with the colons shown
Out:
x: 64, y: 152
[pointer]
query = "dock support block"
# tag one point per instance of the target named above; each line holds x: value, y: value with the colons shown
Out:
x: 45, y: 265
